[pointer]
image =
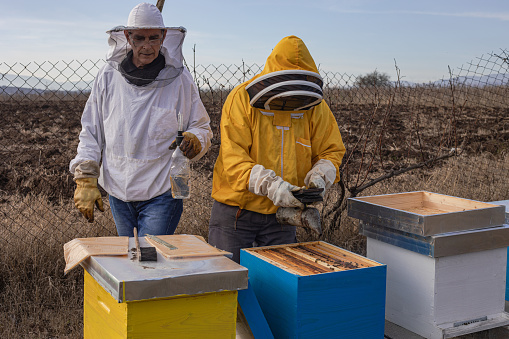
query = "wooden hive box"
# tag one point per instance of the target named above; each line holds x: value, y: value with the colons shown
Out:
x: 170, y: 298
x: 425, y: 213
x: 317, y: 290
x: 205, y: 315
x: 446, y: 260
x: 443, y: 297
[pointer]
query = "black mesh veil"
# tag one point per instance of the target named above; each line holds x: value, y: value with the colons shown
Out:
x: 288, y: 90
x: 171, y: 49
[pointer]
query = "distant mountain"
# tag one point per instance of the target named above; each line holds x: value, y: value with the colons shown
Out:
x: 15, y: 90
x: 35, y: 83
x: 495, y: 79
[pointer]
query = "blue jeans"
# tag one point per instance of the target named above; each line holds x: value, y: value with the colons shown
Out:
x: 157, y: 216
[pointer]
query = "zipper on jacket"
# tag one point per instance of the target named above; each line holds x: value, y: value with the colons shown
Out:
x: 283, y: 129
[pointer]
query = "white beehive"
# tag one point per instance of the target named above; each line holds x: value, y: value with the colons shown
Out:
x: 443, y: 297
x: 446, y: 260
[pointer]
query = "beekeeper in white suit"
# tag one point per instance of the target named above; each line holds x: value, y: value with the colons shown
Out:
x: 129, y: 122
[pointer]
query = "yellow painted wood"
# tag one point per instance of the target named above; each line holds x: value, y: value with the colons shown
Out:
x: 103, y: 316
x: 208, y: 315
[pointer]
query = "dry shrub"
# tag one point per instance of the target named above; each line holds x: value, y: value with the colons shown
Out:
x: 36, y: 299
x: 482, y: 178
x: 35, y: 218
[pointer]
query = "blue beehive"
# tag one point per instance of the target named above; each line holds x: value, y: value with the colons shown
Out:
x: 317, y: 290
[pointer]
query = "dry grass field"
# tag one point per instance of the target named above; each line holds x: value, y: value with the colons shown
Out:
x: 384, y: 137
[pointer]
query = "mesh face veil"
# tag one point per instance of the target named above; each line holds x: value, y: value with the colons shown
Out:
x: 147, y: 16
x: 288, y: 90
x: 171, y: 49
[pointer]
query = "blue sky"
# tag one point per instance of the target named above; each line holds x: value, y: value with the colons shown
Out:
x: 346, y: 36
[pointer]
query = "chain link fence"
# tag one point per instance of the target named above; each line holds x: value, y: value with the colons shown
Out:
x: 450, y: 136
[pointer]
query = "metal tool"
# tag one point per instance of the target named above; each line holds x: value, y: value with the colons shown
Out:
x: 162, y: 242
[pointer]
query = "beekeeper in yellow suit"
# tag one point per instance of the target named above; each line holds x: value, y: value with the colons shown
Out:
x: 277, y: 136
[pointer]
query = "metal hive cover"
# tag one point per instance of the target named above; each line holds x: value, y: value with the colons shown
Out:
x: 127, y: 279
x: 425, y: 213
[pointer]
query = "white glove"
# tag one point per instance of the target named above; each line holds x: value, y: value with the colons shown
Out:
x: 282, y: 194
x: 265, y: 182
x: 316, y: 181
x: 322, y: 175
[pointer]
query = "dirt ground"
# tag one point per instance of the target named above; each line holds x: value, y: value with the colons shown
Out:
x: 38, y: 139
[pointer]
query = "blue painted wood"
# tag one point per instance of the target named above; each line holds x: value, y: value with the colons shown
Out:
x: 507, y: 277
x: 349, y: 304
x: 412, y: 242
x: 276, y: 294
x: 253, y: 313
x: 346, y: 304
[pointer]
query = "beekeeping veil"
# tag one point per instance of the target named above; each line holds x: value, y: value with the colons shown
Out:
x: 147, y: 16
x: 289, y: 81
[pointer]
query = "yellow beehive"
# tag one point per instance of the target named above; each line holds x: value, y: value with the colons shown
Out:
x: 208, y: 315
x: 170, y: 298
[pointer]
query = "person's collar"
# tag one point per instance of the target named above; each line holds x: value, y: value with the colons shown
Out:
x: 127, y: 63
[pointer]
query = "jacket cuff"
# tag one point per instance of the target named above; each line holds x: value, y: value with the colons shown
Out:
x: 86, y: 169
x: 325, y: 169
x: 261, y: 179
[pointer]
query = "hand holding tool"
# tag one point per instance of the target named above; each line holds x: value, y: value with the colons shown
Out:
x: 309, y: 195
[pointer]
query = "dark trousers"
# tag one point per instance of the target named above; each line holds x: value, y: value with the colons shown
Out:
x: 231, y: 229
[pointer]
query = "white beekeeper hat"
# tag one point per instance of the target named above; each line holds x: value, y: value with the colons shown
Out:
x: 145, y: 16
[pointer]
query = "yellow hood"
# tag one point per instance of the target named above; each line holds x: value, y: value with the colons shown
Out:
x: 289, y: 81
x: 289, y: 54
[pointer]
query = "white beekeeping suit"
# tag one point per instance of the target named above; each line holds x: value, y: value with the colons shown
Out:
x: 128, y: 128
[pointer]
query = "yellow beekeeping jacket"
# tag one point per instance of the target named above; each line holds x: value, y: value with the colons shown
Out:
x: 288, y: 142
